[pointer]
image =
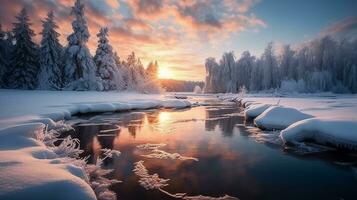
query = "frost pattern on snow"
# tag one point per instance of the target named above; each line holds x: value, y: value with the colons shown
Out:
x: 153, y: 181
x: 69, y: 152
x: 97, y: 179
x: 160, y: 154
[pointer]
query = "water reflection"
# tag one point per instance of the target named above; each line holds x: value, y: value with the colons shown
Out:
x: 229, y: 161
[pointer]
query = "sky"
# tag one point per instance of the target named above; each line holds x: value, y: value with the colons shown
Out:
x: 181, y: 34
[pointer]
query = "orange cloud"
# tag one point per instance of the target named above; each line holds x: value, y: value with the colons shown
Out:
x: 113, y: 3
x: 164, y: 30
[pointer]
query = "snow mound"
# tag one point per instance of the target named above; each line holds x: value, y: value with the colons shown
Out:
x: 175, y: 104
x: 338, y: 133
x: 279, y: 117
x: 48, y: 107
x: 48, y: 174
x: 255, y: 110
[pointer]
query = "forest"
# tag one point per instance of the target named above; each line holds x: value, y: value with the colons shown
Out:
x: 323, y: 64
x: 51, y: 66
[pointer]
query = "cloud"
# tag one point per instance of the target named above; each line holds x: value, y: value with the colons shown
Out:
x: 154, y: 29
x: 344, y: 28
x: 113, y: 3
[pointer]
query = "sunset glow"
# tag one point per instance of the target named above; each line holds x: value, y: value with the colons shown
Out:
x: 166, y: 74
x: 182, y: 34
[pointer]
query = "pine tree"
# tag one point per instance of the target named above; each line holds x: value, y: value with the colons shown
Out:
x: 228, y: 66
x: 24, y: 66
x: 287, y: 64
x: 152, y: 70
x: 245, y: 65
x: 122, y: 67
x: 134, y: 68
x: 51, y: 75
x: 80, y: 70
x: 351, y: 78
x: 151, y: 81
x: 269, y: 62
x: 3, y: 61
x: 107, y: 69
x: 214, y: 81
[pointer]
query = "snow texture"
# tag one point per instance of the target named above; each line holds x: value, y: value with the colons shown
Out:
x: 19, y: 106
x: 55, y: 170
x: 47, y: 173
x: 338, y: 133
x: 278, y: 117
x: 255, y: 110
x: 326, y: 119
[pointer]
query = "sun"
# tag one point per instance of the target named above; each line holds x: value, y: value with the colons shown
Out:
x: 165, y: 73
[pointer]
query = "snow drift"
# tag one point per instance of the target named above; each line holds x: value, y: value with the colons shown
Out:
x: 255, y: 110
x: 338, y: 133
x: 30, y: 170
x: 279, y: 117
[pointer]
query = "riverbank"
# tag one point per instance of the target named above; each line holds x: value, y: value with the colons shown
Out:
x: 325, y: 119
x: 31, y: 166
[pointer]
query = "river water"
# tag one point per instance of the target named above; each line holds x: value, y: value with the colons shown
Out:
x: 230, y: 160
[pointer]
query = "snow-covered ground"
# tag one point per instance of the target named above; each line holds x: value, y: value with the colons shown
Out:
x: 31, y: 167
x: 323, y: 105
x: 325, y: 118
x: 22, y: 106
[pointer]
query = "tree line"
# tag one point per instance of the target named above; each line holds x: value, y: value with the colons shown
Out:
x: 323, y: 64
x: 51, y: 66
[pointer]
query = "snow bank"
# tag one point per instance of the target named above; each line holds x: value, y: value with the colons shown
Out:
x: 28, y: 169
x: 254, y: 110
x: 31, y: 167
x: 326, y: 105
x: 339, y: 133
x: 19, y: 106
x: 279, y: 117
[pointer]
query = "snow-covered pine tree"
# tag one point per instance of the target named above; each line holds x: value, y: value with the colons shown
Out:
x: 80, y: 70
x: 24, y: 65
x: 351, y: 78
x: 152, y: 70
x: 3, y: 59
x: 269, y: 62
x: 256, y: 76
x: 122, y: 67
x: 151, y: 83
x: 214, y: 82
x: 245, y: 65
x: 135, y: 69
x: 288, y: 64
x: 228, y: 66
x: 107, y: 69
x: 51, y: 75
